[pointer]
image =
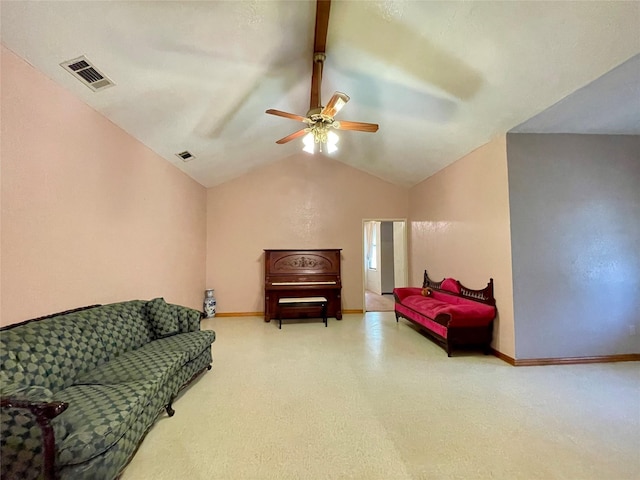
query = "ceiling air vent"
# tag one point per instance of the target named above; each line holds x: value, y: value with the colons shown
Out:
x: 84, y: 71
x: 186, y: 156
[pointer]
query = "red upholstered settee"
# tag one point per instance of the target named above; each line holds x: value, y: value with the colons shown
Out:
x: 454, y: 315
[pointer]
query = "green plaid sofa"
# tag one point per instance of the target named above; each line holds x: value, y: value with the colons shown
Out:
x: 81, y: 389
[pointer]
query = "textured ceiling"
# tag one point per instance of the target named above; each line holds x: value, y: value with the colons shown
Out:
x: 440, y: 78
x: 608, y: 105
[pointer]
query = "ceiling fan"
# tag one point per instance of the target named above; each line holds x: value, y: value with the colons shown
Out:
x: 320, y: 120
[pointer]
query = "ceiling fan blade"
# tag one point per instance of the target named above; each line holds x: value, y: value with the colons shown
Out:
x: 293, y: 136
x: 336, y: 103
x: 358, y: 126
x: 319, y: 47
x: 280, y: 113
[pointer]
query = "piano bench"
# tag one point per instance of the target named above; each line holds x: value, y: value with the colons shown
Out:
x: 302, y: 302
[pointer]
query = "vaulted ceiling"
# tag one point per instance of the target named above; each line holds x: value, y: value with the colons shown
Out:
x: 440, y: 78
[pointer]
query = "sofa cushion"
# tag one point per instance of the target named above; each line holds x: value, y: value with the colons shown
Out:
x: 422, y: 320
x: 19, y: 367
x: 450, y: 285
x: 122, y: 327
x: 49, y: 353
x: 97, y: 417
x: 154, y: 367
x: 428, y: 306
x: 192, y: 343
x: 164, y: 318
x: 463, y: 312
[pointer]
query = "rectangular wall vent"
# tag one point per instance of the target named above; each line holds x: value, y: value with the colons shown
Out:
x: 84, y: 71
x: 185, y: 156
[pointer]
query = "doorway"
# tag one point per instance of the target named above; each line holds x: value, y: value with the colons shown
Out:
x: 384, y: 262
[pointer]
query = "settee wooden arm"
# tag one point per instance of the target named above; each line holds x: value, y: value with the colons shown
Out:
x: 43, y: 412
x: 443, y: 319
x: 48, y: 410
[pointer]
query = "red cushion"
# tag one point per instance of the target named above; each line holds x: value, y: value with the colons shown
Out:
x: 463, y: 312
x: 426, y: 305
x: 450, y: 285
x: 422, y: 320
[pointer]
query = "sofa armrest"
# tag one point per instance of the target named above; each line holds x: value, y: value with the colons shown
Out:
x: 188, y: 319
x: 28, y: 442
x: 404, y: 292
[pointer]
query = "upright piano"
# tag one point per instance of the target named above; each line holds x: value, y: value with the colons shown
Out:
x: 302, y: 273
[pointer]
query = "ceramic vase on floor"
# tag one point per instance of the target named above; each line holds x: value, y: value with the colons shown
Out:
x: 209, y: 304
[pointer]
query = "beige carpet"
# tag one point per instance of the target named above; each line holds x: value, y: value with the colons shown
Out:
x: 368, y: 398
x: 378, y: 303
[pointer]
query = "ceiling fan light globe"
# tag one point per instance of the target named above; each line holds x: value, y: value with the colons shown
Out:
x: 308, y: 139
x: 309, y: 143
x: 332, y: 140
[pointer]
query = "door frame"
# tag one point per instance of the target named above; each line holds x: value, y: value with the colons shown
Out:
x: 404, y: 260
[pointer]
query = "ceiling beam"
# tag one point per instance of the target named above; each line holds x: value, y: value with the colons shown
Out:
x: 319, y: 48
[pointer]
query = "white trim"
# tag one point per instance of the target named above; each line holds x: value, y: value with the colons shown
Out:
x: 405, y: 260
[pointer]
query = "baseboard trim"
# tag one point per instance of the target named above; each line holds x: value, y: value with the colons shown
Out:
x: 261, y: 314
x: 503, y: 357
x: 532, y: 362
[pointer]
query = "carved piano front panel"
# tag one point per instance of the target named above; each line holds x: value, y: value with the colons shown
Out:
x: 302, y: 273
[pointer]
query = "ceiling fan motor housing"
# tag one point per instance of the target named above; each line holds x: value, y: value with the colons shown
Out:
x: 314, y: 114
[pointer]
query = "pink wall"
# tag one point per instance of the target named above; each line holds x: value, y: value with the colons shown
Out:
x: 460, y: 227
x: 89, y: 214
x: 302, y: 201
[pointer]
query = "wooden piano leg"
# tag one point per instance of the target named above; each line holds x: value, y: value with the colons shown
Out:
x: 267, y: 313
x: 324, y: 313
